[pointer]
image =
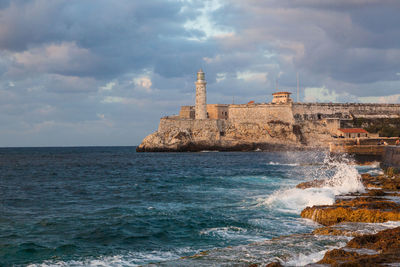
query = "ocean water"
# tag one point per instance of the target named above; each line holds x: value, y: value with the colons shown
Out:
x: 111, y: 206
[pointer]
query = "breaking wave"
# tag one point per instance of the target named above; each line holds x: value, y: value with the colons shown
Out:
x: 283, y: 164
x: 339, y: 177
x: 129, y: 259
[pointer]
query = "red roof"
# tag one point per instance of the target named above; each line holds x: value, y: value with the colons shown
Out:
x: 353, y: 130
x: 278, y: 93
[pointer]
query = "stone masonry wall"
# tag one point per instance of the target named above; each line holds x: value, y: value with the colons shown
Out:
x: 316, y: 111
x: 187, y: 112
x: 179, y: 124
x: 391, y: 157
x: 217, y: 111
x: 261, y: 113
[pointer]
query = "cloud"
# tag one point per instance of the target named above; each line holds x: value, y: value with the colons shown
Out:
x: 73, y: 69
x: 143, y: 82
x: 108, y: 87
x: 64, y: 58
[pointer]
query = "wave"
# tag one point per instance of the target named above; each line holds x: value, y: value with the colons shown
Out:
x: 340, y: 178
x: 130, y: 259
x: 231, y: 233
x: 283, y: 164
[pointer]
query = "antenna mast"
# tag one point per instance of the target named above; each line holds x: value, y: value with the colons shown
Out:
x: 298, y: 90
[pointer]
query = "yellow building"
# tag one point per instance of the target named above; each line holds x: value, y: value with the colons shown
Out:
x: 281, y: 98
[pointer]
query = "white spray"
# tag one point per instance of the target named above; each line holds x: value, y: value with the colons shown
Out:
x: 341, y: 177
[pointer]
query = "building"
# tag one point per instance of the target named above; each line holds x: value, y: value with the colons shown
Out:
x: 333, y: 119
x: 281, y: 98
x: 352, y: 132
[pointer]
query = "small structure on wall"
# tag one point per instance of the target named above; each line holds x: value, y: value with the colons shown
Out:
x: 352, y: 132
x: 281, y: 98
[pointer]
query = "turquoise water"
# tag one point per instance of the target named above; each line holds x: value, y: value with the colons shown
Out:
x: 113, y: 206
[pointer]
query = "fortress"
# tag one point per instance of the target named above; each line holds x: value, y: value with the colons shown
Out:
x: 281, y: 124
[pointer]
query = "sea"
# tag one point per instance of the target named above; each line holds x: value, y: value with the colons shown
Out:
x: 112, y: 206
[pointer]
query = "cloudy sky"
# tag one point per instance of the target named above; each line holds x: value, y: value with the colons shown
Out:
x: 81, y: 72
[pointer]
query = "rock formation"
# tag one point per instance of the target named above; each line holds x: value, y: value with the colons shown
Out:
x: 381, y: 249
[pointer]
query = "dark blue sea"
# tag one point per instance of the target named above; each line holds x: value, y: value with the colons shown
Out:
x: 111, y: 206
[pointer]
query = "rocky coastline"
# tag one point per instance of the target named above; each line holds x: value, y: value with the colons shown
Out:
x: 224, y: 146
x: 366, y: 223
x: 378, y: 204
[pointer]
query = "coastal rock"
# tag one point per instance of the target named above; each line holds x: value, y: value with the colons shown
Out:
x: 357, y: 210
x: 177, y: 134
x: 381, y: 181
x: 350, y: 229
x: 331, y: 230
x: 310, y: 184
x: 370, y: 207
x: 274, y: 264
x: 379, y: 249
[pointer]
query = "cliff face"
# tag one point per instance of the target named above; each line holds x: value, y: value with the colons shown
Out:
x: 176, y: 134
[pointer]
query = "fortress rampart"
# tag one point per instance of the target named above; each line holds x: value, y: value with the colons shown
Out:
x: 315, y: 111
x: 260, y: 113
x: 295, y: 111
x: 179, y: 124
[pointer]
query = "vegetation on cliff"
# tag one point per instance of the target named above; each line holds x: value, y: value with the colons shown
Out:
x: 387, y: 127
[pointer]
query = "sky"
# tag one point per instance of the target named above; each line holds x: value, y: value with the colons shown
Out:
x: 90, y: 73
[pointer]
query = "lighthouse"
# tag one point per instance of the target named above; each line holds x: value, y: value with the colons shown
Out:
x: 201, y: 98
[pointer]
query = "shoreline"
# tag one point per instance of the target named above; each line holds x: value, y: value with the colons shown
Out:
x: 227, y: 146
x: 380, y: 203
x: 367, y: 225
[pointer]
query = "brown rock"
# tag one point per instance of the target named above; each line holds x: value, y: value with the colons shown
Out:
x: 371, y: 207
x: 386, y: 243
x: 387, y: 240
x: 274, y: 264
x: 336, y: 256
x: 328, y: 230
x: 381, y: 181
x: 375, y: 192
x: 314, y: 183
x: 360, y: 209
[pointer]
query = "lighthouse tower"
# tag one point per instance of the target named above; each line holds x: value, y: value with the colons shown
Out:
x: 201, y: 98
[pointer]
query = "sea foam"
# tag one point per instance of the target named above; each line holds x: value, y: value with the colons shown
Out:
x: 340, y: 178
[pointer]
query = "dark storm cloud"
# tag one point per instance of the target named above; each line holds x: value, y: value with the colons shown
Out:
x: 119, y: 36
x: 352, y: 41
x: 71, y: 69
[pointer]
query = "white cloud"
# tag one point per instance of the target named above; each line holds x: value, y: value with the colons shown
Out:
x: 114, y: 99
x: 323, y: 94
x: 143, y: 82
x: 55, y: 58
x: 221, y: 77
x: 381, y: 99
x: 108, y: 87
x: 205, y: 24
x: 101, y: 116
x: 252, y: 76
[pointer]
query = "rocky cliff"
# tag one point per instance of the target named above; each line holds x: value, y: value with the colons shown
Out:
x: 177, y: 134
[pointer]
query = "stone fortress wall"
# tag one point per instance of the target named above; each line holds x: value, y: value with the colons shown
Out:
x: 295, y: 112
x: 261, y: 113
x: 318, y: 111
